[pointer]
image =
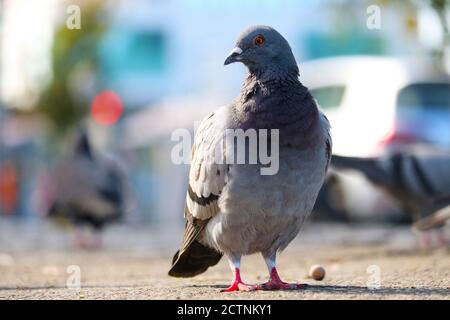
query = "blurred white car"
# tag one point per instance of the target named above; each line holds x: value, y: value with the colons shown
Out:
x: 376, y: 103
x: 360, y: 95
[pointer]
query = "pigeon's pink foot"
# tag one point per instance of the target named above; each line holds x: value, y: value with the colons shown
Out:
x: 87, y: 242
x: 94, y: 244
x: 275, y: 283
x: 443, y: 239
x: 424, y: 241
x: 81, y: 241
x: 238, y: 285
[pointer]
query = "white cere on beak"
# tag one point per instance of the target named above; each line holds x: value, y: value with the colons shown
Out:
x: 236, y: 50
x: 234, y: 56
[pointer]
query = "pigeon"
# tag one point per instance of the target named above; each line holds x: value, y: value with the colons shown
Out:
x: 232, y: 208
x: 419, y: 180
x: 417, y: 177
x: 87, y: 191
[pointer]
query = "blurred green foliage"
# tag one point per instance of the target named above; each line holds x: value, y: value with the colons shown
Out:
x: 441, y: 8
x: 71, y: 49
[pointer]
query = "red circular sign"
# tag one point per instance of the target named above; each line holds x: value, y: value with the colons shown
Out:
x: 106, y: 108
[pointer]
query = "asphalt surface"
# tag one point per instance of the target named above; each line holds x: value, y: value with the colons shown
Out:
x: 38, y: 261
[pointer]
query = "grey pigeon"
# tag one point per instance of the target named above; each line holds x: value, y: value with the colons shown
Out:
x: 87, y: 190
x: 233, y: 209
x: 417, y: 177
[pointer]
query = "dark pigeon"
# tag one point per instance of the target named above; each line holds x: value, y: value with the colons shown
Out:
x: 87, y: 190
x: 418, y: 179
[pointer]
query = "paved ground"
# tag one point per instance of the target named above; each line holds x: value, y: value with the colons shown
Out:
x: 35, y: 261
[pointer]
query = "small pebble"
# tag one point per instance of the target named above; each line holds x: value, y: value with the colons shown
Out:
x: 317, y: 272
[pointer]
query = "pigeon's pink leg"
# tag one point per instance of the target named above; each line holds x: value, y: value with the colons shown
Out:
x: 238, y: 285
x: 95, y: 241
x: 80, y: 239
x: 87, y: 241
x: 424, y: 240
x: 442, y: 238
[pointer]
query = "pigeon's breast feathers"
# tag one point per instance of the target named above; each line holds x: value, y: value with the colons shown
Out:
x: 283, y: 104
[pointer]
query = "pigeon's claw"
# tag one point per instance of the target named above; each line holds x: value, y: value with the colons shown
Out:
x: 275, y: 283
x: 235, y: 286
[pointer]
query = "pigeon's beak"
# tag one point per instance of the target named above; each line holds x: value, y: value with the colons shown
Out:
x: 234, y: 56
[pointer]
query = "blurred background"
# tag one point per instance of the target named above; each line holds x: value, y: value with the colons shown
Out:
x: 157, y: 65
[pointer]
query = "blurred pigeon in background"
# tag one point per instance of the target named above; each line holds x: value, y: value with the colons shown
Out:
x: 418, y: 178
x: 87, y: 191
x: 233, y: 209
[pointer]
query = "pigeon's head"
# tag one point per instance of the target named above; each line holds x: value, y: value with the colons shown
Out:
x: 82, y: 145
x: 263, y: 49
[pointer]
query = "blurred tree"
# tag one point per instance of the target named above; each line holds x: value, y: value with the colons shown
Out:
x: 441, y: 7
x: 407, y: 10
x: 72, y: 48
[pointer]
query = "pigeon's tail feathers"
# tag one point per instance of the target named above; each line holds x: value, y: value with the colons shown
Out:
x: 436, y: 220
x: 193, y: 258
x: 370, y: 167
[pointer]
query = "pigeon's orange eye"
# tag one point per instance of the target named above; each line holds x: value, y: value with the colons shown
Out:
x: 259, y: 40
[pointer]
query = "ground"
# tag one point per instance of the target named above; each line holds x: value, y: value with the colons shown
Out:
x: 135, y: 261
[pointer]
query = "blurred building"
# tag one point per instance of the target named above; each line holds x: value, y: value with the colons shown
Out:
x: 158, y: 49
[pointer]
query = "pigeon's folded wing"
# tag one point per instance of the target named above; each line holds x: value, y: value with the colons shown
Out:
x: 208, y: 172
x: 328, y: 142
x: 207, y: 178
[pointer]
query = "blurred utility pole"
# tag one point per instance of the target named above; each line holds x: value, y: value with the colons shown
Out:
x: 442, y: 8
x: 2, y: 107
x: 2, y: 10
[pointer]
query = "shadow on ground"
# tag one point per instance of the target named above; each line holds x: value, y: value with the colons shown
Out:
x: 358, y: 290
